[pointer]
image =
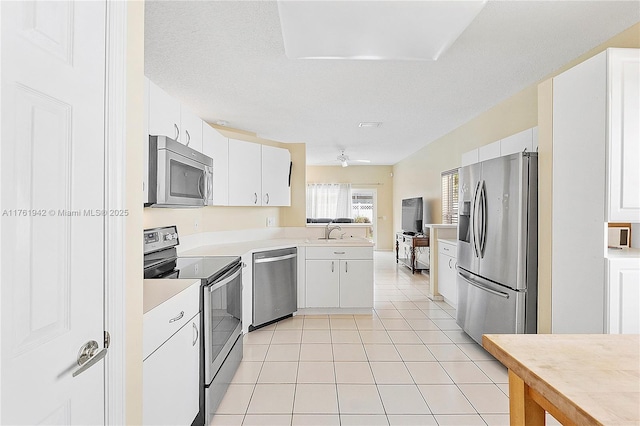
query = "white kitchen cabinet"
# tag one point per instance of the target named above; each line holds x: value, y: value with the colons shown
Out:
x: 517, y: 143
x: 190, y: 129
x: 490, y: 151
x: 245, y: 173
x: 595, y: 180
x: 216, y: 146
x: 470, y: 157
x: 258, y: 175
x: 356, y: 283
x: 276, y: 163
x: 339, y: 277
x: 171, y: 360
x: 527, y: 139
x: 623, y: 135
x: 168, y: 117
x: 171, y: 379
x: 447, y: 286
x: 323, y: 283
x: 164, y: 113
x: 624, y: 296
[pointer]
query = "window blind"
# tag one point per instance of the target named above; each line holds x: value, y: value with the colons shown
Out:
x: 449, y: 180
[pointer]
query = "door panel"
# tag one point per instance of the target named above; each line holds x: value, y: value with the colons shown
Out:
x: 52, y: 171
x: 503, y: 240
x: 469, y: 178
x: 484, y: 308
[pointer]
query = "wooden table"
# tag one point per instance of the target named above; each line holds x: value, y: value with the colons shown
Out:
x: 579, y: 379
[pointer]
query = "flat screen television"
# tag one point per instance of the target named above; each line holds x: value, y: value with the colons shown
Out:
x: 412, y: 215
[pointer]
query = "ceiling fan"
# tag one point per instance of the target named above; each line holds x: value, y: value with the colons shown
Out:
x: 344, y: 159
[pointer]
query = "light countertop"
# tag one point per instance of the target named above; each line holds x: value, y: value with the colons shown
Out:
x: 238, y: 249
x: 156, y: 292
x: 589, y: 378
x: 625, y: 253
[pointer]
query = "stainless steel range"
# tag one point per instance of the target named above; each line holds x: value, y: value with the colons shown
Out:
x: 220, y: 304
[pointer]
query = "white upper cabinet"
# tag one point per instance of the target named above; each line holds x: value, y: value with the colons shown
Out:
x: 216, y: 146
x: 164, y: 113
x: 190, y: 129
x: 245, y: 173
x: 167, y: 117
x: 517, y: 143
x: 623, y: 135
x: 525, y: 140
x: 258, y: 175
x: 276, y: 165
x: 487, y: 152
x: 470, y: 157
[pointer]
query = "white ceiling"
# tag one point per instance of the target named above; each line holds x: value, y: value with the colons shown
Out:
x: 226, y: 60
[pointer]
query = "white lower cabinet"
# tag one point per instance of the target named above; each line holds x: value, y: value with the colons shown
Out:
x: 323, y: 283
x: 170, y: 375
x: 171, y: 356
x: 624, y: 296
x: 339, y: 277
x: 447, y: 286
x: 356, y: 283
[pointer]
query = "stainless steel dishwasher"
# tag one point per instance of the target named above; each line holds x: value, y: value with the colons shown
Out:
x: 275, y: 282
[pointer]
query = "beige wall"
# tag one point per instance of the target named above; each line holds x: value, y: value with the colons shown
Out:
x: 133, y: 244
x: 374, y: 177
x: 212, y: 218
x: 419, y: 175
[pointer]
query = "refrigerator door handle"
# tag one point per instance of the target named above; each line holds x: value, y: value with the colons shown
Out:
x: 474, y: 220
x: 481, y: 287
x: 483, y: 237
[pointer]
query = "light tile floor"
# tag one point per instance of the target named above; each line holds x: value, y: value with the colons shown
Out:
x: 407, y: 363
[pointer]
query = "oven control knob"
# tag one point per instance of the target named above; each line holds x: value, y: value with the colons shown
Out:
x: 168, y: 237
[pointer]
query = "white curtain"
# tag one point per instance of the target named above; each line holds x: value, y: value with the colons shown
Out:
x: 328, y: 200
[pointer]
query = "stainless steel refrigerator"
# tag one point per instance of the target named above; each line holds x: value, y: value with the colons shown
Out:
x: 498, y: 246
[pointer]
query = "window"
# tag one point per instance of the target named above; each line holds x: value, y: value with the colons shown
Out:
x: 362, y: 206
x: 450, y: 196
x: 328, y: 200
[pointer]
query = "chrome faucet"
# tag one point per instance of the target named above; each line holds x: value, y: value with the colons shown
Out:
x: 328, y: 229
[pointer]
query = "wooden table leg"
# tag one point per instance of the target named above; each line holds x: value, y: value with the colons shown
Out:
x: 522, y: 409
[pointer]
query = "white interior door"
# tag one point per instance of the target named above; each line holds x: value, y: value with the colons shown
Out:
x: 52, y: 194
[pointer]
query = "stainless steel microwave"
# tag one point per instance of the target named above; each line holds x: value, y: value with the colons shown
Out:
x: 179, y: 176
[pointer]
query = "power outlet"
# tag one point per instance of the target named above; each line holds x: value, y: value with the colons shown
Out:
x: 271, y: 221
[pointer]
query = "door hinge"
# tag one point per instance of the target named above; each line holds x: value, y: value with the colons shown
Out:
x: 107, y: 339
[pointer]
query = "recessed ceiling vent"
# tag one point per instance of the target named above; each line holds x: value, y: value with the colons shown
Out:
x: 370, y: 124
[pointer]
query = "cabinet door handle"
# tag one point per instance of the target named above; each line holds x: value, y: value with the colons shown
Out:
x: 195, y: 329
x: 332, y: 266
x: 338, y: 252
x: 177, y: 130
x: 266, y: 198
x: 188, y: 137
x: 255, y: 198
x: 346, y: 266
x: 450, y: 263
x: 179, y: 317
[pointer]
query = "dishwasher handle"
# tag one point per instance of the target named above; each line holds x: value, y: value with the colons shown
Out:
x: 275, y: 259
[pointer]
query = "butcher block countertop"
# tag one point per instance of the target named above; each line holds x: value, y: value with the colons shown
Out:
x: 580, y: 379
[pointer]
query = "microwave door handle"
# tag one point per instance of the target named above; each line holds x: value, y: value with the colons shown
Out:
x: 200, y: 184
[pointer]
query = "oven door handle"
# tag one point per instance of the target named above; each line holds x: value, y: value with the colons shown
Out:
x: 218, y: 284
